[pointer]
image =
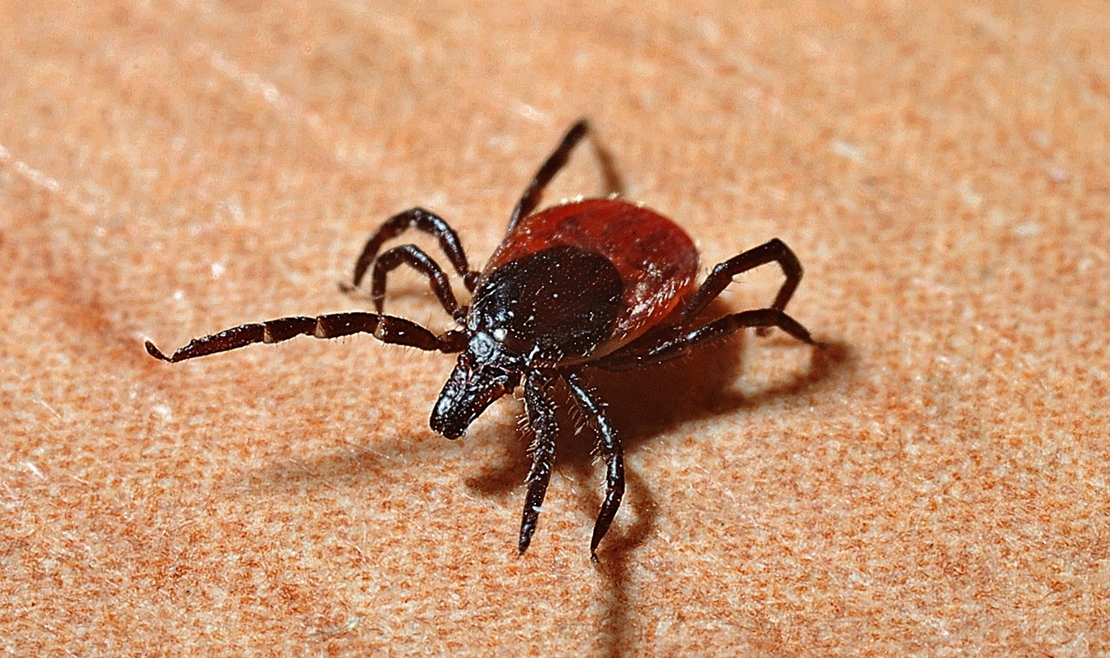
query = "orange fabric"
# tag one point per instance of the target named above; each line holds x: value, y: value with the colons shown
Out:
x: 934, y: 483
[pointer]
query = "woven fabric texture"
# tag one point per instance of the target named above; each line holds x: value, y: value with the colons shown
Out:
x: 935, y: 483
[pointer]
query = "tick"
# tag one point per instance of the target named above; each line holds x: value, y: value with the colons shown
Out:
x: 591, y: 284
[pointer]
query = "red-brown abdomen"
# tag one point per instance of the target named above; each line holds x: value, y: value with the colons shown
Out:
x: 656, y: 259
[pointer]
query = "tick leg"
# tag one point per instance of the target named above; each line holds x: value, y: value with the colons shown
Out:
x: 385, y: 328
x: 721, y: 276
x: 541, y: 417
x: 531, y: 197
x: 421, y: 220
x: 680, y: 343
x: 415, y: 258
x: 609, y: 446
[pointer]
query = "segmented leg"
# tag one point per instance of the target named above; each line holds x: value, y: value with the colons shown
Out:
x: 532, y: 194
x: 385, y: 328
x: 609, y: 447
x: 541, y: 418
x: 421, y: 220
x: 721, y: 276
x: 415, y: 258
x: 680, y: 343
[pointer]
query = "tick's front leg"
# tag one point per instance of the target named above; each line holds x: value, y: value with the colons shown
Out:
x: 386, y: 328
x: 609, y: 446
x: 541, y: 418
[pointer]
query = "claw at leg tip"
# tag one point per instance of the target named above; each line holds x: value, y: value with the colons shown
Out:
x: 155, y: 352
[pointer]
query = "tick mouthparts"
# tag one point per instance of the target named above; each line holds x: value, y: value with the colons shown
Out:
x: 468, y: 392
x: 453, y: 413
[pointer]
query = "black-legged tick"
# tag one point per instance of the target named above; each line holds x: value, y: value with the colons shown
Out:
x: 598, y: 283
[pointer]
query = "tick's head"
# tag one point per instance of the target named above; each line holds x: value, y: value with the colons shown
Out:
x: 483, y: 374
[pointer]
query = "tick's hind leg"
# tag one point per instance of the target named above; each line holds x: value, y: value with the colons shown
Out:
x: 678, y: 343
x: 541, y: 418
x: 677, y: 340
x: 609, y: 447
x: 385, y: 328
x: 426, y: 222
x: 721, y: 276
x: 532, y: 194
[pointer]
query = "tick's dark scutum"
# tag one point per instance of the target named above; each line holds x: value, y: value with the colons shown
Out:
x: 551, y: 305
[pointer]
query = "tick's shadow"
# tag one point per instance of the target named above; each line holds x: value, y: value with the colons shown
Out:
x: 642, y: 404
